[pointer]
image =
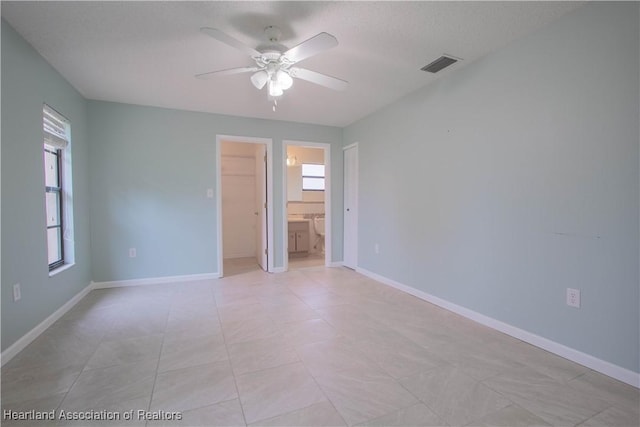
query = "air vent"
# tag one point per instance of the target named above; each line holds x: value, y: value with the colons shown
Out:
x: 439, y: 64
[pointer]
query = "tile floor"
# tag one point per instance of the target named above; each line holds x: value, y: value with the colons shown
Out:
x: 310, y: 260
x: 235, y: 266
x: 316, y: 346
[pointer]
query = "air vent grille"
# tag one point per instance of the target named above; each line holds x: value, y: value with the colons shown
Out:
x: 439, y: 64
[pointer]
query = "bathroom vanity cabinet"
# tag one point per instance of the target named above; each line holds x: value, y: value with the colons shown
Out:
x: 298, y: 237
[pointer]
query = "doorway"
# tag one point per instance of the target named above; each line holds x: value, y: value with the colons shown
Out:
x: 307, y: 190
x: 244, y: 183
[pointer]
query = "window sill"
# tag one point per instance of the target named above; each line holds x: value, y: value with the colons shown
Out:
x: 61, y: 269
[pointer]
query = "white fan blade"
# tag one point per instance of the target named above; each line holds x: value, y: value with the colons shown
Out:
x: 228, y: 40
x: 308, y: 48
x: 227, y: 72
x: 318, y: 78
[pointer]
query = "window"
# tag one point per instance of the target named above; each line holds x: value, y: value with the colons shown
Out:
x: 57, y: 179
x: 312, y: 177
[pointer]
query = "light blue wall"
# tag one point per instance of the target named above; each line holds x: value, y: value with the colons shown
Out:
x: 150, y: 170
x: 139, y: 173
x: 28, y: 82
x: 495, y: 189
x: 516, y: 177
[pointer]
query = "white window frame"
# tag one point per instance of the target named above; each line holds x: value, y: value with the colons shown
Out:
x: 323, y: 177
x: 57, y: 138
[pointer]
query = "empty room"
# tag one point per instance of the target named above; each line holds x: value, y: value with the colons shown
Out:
x: 320, y: 213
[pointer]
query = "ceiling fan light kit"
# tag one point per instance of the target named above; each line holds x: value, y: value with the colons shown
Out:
x: 273, y: 62
x: 278, y: 81
x: 259, y: 79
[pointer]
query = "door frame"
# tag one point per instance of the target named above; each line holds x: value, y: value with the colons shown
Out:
x: 268, y: 142
x: 327, y: 198
x: 353, y: 208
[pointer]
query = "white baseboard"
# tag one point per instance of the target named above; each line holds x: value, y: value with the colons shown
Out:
x: 602, y: 366
x: 28, y: 338
x: 278, y: 270
x: 155, y: 280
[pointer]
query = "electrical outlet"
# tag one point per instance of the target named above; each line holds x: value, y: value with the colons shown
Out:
x: 210, y: 193
x: 132, y: 253
x: 573, y: 297
x: 17, y: 294
x: 376, y: 248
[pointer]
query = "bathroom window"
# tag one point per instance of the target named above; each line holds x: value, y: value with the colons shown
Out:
x: 312, y: 177
x: 57, y: 186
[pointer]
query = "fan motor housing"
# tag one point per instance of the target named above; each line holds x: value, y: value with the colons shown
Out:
x: 271, y: 55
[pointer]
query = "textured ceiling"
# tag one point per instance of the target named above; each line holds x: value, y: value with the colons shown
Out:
x: 147, y: 53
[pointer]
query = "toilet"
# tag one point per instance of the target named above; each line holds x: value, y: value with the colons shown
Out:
x: 318, y: 226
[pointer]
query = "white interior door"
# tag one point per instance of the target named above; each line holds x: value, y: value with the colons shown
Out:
x: 261, y: 206
x: 350, y: 244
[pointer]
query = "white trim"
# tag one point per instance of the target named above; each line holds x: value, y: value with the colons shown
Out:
x: 346, y: 147
x: 336, y: 264
x: 354, y: 146
x: 28, y: 338
x: 60, y: 269
x: 327, y: 199
x: 219, y: 207
x: 279, y: 270
x: 602, y: 366
x: 155, y: 280
x: 268, y: 142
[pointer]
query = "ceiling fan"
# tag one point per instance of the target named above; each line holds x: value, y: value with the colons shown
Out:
x: 274, y: 63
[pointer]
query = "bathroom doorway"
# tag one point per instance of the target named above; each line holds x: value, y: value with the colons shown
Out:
x: 307, y: 230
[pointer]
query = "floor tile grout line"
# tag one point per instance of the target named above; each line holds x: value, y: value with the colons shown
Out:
x: 66, y: 393
x: 155, y: 378
x: 173, y: 370
x: 594, y: 415
x: 522, y: 408
x: 419, y: 402
x: 226, y: 349
x: 505, y: 396
x: 423, y: 402
x: 331, y: 402
x: 320, y: 387
x: 300, y: 361
x: 559, y: 380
